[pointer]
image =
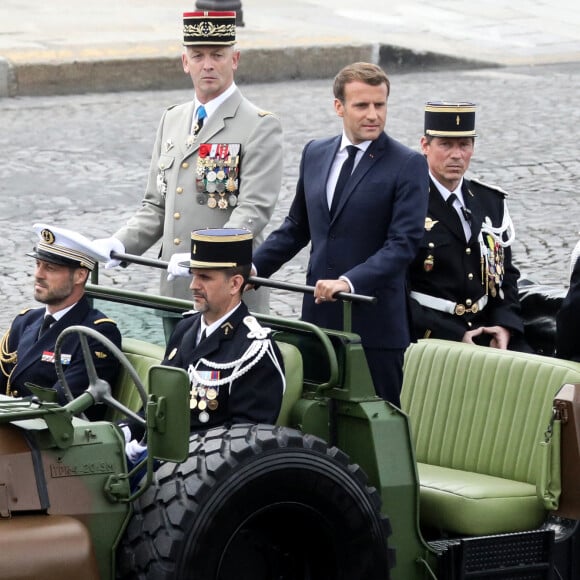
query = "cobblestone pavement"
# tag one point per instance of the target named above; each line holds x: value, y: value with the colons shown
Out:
x: 81, y: 162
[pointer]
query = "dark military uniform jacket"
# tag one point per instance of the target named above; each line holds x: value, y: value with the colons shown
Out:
x: 568, y: 320
x: 27, y: 358
x: 254, y: 397
x: 449, y: 267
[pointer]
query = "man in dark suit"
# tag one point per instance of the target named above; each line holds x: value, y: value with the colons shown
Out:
x: 463, y: 283
x: 364, y: 224
x: 235, y: 368
x: 63, y: 262
x: 568, y: 317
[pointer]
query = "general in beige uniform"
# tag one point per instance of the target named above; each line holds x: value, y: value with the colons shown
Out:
x: 227, y: 174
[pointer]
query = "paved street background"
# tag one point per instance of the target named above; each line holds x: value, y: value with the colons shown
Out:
x: 81, y: 161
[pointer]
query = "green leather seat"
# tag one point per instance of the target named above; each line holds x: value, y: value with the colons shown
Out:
x: 478, y: 416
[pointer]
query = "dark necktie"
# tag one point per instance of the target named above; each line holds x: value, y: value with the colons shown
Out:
x: 464, y: 211
x: 48, y: 320
x: 202, y: 337
x: 201, y: 115
x: 345, y: 172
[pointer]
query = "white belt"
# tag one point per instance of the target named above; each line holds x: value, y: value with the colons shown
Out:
x: 447, y: 305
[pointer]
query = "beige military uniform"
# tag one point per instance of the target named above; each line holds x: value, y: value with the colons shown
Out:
x: 174, y: 205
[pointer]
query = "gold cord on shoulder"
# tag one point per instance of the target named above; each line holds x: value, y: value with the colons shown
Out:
x: 7, y: 359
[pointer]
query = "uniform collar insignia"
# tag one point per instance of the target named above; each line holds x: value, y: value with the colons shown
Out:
x: 429, y: 223
x: 226, y: 327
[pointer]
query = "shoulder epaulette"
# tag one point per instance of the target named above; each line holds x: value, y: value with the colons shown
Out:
x: 24, y: 311
x: 101, y: 320
x: 494, y: 188
x: 265, y: 114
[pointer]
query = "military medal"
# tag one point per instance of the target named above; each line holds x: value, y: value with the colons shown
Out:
x: 211, y: 176
x: 211, y: 393
x: 202, y: 404
x: 201, y: 199
x: 212, y: 405
x: 221, y: 175
x: 203, y: 417
x: 428, y: 263
x: 211, y: 202
x: 192, y: 403
x: 233, y: 200
x: 231, y: 184
x: 211, y: 187
x: 222, y: 203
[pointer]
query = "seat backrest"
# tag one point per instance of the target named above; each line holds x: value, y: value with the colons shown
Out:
x: 142, y: 356
x: 293, y: 372
x: 481, y: 409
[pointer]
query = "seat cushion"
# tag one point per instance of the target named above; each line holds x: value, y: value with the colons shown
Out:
x: 293, y: 372
x: 469, y: 503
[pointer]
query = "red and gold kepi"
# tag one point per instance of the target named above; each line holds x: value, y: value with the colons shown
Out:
x: 450, y: 119
x: 209, y: 28
x: 220, y: 248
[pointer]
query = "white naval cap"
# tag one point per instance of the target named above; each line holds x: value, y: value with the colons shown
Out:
x: 65, y: 247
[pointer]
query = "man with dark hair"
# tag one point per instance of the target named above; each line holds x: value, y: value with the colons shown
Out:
x: 217, y: 159
x: 463, y: 283
x: 64, y: 260
x: 360, y: 201
x: 235, y: 368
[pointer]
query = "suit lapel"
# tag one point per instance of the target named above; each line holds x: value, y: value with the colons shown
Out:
x: 374, y: 153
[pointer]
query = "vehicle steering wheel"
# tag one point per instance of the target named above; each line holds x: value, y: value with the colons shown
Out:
x: 97, y: 387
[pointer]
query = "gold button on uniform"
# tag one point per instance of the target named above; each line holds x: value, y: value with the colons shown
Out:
x: 177, y: 241
x: 470, y: 276
x: 176, y: 215
x: 468, y: 302
x: 185, y: 165
x: 431, y: 244
x: 179, y: 190
x: 468, y: 251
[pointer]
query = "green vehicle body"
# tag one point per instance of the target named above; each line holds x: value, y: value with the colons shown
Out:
x: 80, y: 471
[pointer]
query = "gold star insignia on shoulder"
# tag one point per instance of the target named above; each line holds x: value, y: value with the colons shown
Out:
x: 23, y: 311
x: 172, y: 354
x: 429, y: 223
x: 100, y: 354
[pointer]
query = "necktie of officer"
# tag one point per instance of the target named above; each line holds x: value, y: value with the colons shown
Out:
x: 465, y: 213
x: 201, y: 115
x: 343, y: 177
x: 46, y: 323
x: 202, y: 337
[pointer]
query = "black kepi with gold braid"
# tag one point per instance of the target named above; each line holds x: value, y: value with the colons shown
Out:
x: 220, y: 248
x: 449, y: 119
x: 209, y: 28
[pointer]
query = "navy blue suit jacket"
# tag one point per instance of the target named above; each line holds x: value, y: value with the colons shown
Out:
x: 34, y: 363
x: 371, y: 239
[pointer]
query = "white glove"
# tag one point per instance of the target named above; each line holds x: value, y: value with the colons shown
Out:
x: 174, y: 270
x: 133, y: 450
x: 104, y: 246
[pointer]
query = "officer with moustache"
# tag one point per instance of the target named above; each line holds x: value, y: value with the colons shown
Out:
x: 64, y: 260
x: 463, y: 283
x: 235, y: 368
x: 217, y: 160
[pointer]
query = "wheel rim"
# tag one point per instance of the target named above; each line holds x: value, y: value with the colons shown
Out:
x: 286, y: 541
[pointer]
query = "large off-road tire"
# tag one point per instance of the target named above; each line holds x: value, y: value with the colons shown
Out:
x: 257, y: 502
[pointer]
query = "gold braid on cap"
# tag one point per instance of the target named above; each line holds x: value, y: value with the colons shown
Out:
x: 7, y: 358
